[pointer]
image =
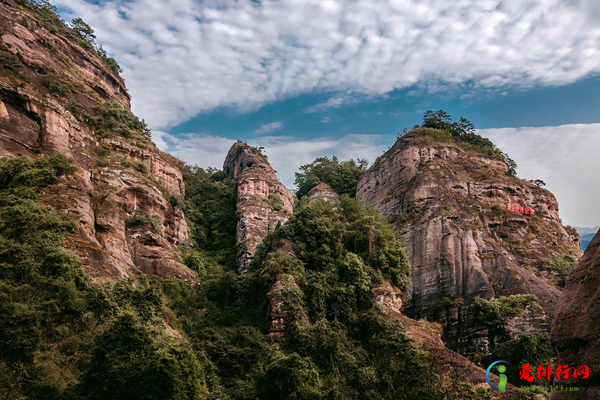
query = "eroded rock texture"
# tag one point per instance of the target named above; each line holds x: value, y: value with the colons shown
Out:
x: 52, y: 84
x: 262, y: 200
x: 449, y: 206
x: 323, y: 192
x: 576, y: 325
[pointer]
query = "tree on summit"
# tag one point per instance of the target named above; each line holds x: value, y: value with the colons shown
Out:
x: 464, y: 131
x: 342, y: 176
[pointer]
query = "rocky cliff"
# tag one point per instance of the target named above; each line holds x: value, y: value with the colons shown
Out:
x: 575, y: 328
x: 449, y: 204
x: 262, y: 200
x: 58, y: 95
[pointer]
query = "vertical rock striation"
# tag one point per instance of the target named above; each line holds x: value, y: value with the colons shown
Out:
x: 262, y: 200
x: 576, y: 325
x: 449, y: 206
x: 49, y: 100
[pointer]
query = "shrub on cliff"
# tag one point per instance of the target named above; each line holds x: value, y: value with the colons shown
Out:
x: 112, y: 119
x: 342, y: 176
x: 495, y: 312
x: 440, y: 126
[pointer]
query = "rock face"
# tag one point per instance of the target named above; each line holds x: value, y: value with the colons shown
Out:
x: 323, y: 192
x: 262, y: 200
x: 450, y: 207
x: 51, y: 83
x: 576, y: 328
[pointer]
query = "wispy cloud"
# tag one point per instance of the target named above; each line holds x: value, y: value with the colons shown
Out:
x: 184, y: 57
x: 268, y: 128
x: 337, y: 101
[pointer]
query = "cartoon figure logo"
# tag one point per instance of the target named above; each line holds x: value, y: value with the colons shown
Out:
x: 503, y: 379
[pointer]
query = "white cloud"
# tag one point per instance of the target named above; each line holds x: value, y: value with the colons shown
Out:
x: 286, y: 153
x: 183, y: 57
x: 268, y: 128
x: 566, y: 158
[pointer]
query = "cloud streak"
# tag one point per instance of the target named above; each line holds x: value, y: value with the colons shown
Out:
x: 268, y: 128
x: 184, y: 57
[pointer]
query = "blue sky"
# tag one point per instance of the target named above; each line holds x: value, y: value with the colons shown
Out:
x: 342, y: 77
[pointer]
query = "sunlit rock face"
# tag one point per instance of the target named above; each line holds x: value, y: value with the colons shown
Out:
x: 449, y: 206
x: 263, y: 201
x: 116, y: 177
x: 576, y: 325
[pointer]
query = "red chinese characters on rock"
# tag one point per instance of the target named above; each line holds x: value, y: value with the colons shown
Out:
x: 520, y: 209
x: 561, y: 372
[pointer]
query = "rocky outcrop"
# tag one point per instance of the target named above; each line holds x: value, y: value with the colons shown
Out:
x: 48, y: 94
x: 575, y: 328
x: 323, y: 192
x: 450, y: 207
x: 263, y: 201
x: 427, y: 336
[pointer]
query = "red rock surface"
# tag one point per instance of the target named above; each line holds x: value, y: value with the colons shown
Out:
x: 449, y: 206
x: 100, y: 196
x: 576, y: 326
x: 262, y: 200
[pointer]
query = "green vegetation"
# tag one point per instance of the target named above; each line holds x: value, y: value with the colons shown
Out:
x: 495, y: 312
x: 438, y: 127
x: 210, y: 203
x: 534, y: 348
x: 276, y: 202
x: 56, y: 85
x: 112, y: 119
x: 337, y: 343
x: 563, y: 265
x: 79, y: 31
x: 342, y: 176
x: 141, y: 219
x: 10, y: 64
x: 61, y: 335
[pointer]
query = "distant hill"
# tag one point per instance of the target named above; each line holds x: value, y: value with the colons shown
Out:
x: 586, y: 234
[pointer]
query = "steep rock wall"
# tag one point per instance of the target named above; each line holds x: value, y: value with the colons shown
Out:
x: 262, y: 200
x: 576, y: 327
x: 52, y: 81
x: 449, y: 206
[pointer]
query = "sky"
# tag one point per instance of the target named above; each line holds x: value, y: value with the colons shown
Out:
x: 308, y: 78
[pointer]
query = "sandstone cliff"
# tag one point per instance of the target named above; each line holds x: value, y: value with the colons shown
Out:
x: 262, y: 200
x: 575, y: 328
x: 449, y: 206
x: 51, y: 91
